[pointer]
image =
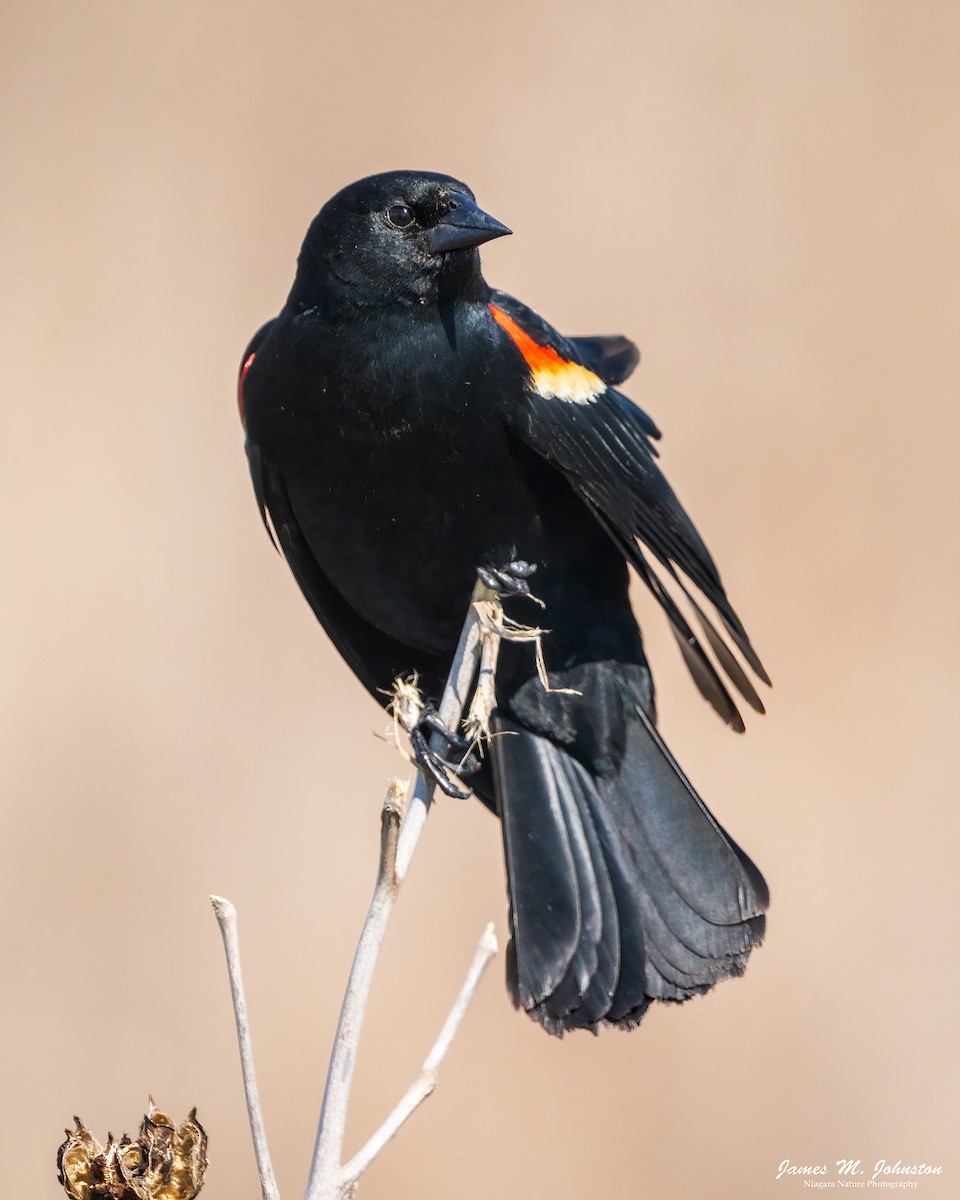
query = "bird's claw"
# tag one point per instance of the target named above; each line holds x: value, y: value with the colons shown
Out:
x: 510, y: 580
x: 435, y: 765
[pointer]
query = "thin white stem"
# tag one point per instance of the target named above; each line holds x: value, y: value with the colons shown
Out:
x: 396, y: 854
x: 486, y: 949
x: 227, y: 920
x: 426, y: 1080
x: 485, y: 697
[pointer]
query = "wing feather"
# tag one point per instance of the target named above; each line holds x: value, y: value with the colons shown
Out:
x: 605, y: 449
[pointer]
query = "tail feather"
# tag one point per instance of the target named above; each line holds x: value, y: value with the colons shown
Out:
x: 591, y: 976
x: 630, y: 998
x: 563, y: 911
x: 623, y: 889
x: 544, y: 888
x: 667, y: 855
x: 726, y: 886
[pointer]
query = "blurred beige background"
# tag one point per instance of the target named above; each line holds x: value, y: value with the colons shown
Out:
x: 765, y: 195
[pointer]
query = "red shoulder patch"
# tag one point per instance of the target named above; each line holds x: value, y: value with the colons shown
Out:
x: 553, y: 377
x: 243, y: 374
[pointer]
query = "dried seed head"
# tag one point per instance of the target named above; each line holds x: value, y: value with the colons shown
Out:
x: 166, y: 1162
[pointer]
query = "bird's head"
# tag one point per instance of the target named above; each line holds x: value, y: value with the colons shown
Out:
x: 397, y: 238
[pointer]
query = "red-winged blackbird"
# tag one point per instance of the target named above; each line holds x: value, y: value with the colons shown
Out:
x: 408, y: 425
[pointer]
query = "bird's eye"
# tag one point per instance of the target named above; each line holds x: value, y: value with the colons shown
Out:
x: 400, y: 216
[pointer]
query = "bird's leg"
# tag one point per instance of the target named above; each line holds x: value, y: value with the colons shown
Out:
x: 510, y: 580
x: 434, y: 764
x: 431, y: 722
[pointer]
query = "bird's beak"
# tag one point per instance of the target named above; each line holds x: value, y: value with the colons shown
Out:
x: 464, y: 226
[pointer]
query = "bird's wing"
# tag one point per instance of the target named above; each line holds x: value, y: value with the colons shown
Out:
x: 613, y: 358
x: 602, y: 443
x: 374, y: 657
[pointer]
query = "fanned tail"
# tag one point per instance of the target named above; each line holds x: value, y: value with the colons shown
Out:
x: 622, y: 889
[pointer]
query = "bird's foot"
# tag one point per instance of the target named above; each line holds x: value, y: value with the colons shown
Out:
x: 510, y: 580
x: 434, y: 765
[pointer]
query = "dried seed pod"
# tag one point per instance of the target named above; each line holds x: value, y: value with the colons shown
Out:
x: 166, y: 1162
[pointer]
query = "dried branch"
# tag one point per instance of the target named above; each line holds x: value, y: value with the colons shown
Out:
x: 226, y: 916
x: 401, y: 826
x: 324, y: 1181
x: 426, y: 1080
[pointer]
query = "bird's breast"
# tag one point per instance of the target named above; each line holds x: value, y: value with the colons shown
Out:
x: 403, y: 477
x: 401, y: 502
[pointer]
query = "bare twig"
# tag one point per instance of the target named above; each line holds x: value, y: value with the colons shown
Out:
x: 402, y: 822
x: 477, y: 723
x: 227, y: 920
x: 426, y: 1080
x: 494, y: 620
x: 325, y: 1170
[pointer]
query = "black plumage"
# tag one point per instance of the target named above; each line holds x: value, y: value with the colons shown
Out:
x: 407, y: 425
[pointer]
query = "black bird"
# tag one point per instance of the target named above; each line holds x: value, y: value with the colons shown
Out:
x: 407, y: 425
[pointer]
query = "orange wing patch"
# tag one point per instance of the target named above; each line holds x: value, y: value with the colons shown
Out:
x: 554, y: 378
